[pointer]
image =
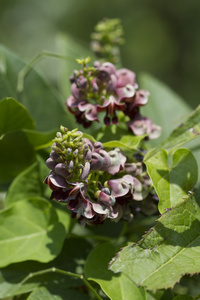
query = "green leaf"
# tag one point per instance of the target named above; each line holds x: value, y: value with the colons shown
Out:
x: 127, y: 141
x: 40, y: 140
x: 165, y: 107
x: 42, y: 293
x: 167, y: 252
x: 67, y: 45
x: 14, y: 116
x: 16, y: 154
x: 29, y: 183
x: 172, y: 177
x: 183, y: 297
x: 43, y: 103
x: 30, y: 230
x: 116, y: 287
x: 185, y: 132
x: 72, y: 259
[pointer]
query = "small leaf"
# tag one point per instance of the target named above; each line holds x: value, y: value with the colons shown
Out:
x: 31, y: 231
x: 185, y: 132
x: 167, y: 252
x: 14, y: 116
x: 116, y: 287
x: 127, y: 141
x: 172, y: 178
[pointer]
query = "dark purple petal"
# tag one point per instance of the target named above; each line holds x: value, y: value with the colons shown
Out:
x: 61, y: 169
x: 50, y: 163
x: 79, y: 95
x: 85, y: 172
x: 124, y: 77
x: 57, y: 181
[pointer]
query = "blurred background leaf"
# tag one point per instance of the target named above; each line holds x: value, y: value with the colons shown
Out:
x: 162, y: 37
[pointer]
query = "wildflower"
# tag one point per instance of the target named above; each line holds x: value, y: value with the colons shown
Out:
x: 102, y: 88
x: 94, y: 183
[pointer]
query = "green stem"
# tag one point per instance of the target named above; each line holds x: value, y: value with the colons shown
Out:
x: 55, y: 270
x: 37, y: 58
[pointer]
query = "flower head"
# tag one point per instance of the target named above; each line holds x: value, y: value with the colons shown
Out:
x: 102, y: 88
x: 94, y: 183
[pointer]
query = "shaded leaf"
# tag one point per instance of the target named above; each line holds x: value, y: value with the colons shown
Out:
x: 167, y: 252
x: 172, y: 177
x: 165, y: 107
x: 42, y: 293
x: 43, y: 103
x: 116, y: 287
x: 71, y: 259
x: 30, y: 230
x: 185, y: 132
x: 14, y: 116
x: 29, y: 183
x: 183, y: 297
x: 16, y: 154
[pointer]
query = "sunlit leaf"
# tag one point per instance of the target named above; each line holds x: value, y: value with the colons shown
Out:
x: 31, y: 231
x: 167, y: 252
x: 172, y: 177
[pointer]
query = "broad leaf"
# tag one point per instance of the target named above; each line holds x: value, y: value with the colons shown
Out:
x: 30, y: 230
x: 14, y: 116
x: 40, y: 99
x: 185, y: 132
x: 167, y: 252
x: 116, y: 287
x: 172, y: 177
x: 71, y: 259
x: 165, y: 107
x: 16, y: 154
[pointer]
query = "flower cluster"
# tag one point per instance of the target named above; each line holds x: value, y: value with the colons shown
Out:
x: 94, y: 183
x: 102, y: 88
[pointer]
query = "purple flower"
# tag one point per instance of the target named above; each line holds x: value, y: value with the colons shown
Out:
x: 102, y: 88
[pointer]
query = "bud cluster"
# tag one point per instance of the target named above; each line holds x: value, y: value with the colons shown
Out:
x: 94, y: 183
x: 102, y: 88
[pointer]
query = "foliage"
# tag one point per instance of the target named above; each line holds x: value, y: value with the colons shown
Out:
x: 113, y: 178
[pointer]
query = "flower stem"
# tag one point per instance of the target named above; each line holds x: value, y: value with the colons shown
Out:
x: 37, y: 58
x: 80, y: 276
